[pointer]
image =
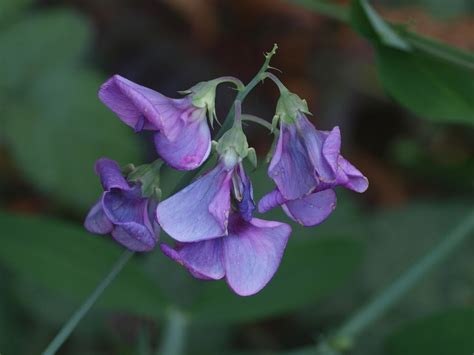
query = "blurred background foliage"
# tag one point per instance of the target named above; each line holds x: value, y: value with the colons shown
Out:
x: 403, y: 95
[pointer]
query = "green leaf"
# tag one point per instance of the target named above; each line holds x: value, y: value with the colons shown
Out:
x: 310, y: 270
x: 39, y: 43
x: 325, y: 7
x: 60, y: 130
x: 440, y: 50
x: 449, y: 332
x: 11, y: 8
x: 366, y: 21
x: 431, y: 81
x: 71, y: 262
x: 431, y: 88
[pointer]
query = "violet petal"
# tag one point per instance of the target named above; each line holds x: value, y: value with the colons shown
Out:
x: 134, y: 236
x: 96, y: 221
x: 110, y: 174
x: 200, y: 210
x: 350, y: 177
x: 189, y: 150
x: 131, y: 102
x: 252, y: 253
x: 270, y: 201
x: 291, y: 168
x: 203, y: 259
x: 311, y: 209
x: 123, y: 206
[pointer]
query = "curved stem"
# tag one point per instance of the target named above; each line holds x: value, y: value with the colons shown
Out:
x: 258, y: 120
x: 67, y: 328
x: 345, y: 336
x: 230, y: 79
x: 277, y: 81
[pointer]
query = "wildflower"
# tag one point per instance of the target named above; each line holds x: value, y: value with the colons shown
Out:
x: 182, y: 136
x: 122, y: 211
x: 306, y: 166
x: 212, y: 221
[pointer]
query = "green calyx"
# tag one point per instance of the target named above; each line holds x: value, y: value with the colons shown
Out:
x: 288, y: 106
x: 233, y: 145
x: 148, y: 175
x: 203, y: 94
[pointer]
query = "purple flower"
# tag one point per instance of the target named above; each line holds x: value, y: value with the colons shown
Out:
x: 305, y: 167
x: 122, y: 211
x: 212, y: 220
x: 182, y: 137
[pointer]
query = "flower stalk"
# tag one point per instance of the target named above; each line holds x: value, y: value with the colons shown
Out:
x: 67, y: 328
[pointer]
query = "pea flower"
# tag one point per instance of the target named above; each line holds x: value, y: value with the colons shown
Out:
x: 306, y: 166
x: 182, y: 135
x: 122, y: 211
x: 212, y: 221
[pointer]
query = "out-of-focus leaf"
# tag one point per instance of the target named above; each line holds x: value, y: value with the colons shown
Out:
x: 440, y: 50
x: 325, y: 7
x: 60, y: 130
x: 71, y: 262
x: 38, y: 43
x: 429, y: 85
x: 366, y: 20
x: 11, y: 8
x: 450, y: 332
x: 310, y: 269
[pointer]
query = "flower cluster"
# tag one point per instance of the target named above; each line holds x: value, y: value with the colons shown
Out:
x: 212, y: 219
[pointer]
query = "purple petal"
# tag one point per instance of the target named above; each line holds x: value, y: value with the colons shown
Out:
x: 110, y: 174
x: 134, y: 236
x: 291, y: 168
x: 252, y: 253
x: 199, y: 211
x: 270, y: 201
x: 133, y: 102
x: 350, y: 177
x: 190, y: 149
x: 202, y: 259
x: 312, y: 209
x: 323, y: 148
x: 96, y: 221
x: 122, y: 206
x: 243, y: 185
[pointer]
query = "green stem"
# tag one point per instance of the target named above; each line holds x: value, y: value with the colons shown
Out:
x: 277, y: 81
x: 174, y: 334
x: 374, y: 310
x: 186, y: 178
x: 258, y: 120
x: 67, y: 328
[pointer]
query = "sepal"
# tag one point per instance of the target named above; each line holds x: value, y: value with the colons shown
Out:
x: 148, y: 175
x: 288, y: 106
